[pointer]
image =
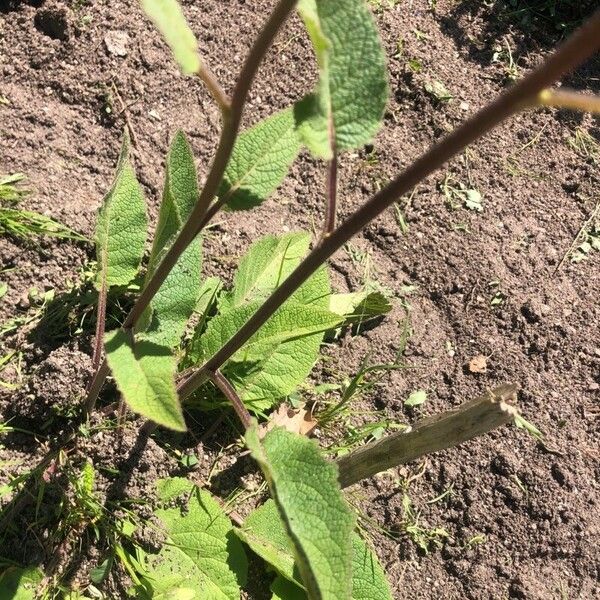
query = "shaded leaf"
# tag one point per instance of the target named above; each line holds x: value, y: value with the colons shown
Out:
x: 264, y: 532
x: 309, y: 500
x: 169, y: 19
x: 359, y: 307
x: 201, y: 559
x: 121, y: 227
x: 260, y: 160
x: 278, y: 357
x: 144, y: 373
x: 283, y: 589
x: 19, y: 583
x: 165, y: 320
x: 266, y: 264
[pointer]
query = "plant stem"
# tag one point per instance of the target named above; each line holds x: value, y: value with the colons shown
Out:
x: 569, y: 99
x: 215, y: 89
x: 331, y: 207
x: 432, y: 434
x: 523, y: 94
x: 100, y: 325
x: 202, y: 209
x: 229, y: 392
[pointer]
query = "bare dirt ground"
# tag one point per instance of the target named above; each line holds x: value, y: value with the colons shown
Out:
x: 520, y: 518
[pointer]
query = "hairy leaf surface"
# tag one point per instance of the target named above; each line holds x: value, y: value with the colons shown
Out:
x: 165, y: 320
x: 359, y: 307
x: 317, y: 519
x: 347, y: 108
x: 121, y: 227
x: 267, y: 264
x: 169, y: 19
x: 278, y: 357
x: 144, y: 373
x: 202, y: 559
x: 264, y: 532
x: 260, y: 160
x: 19, y: 583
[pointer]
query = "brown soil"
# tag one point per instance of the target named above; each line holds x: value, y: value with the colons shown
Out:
x: 522, y: 517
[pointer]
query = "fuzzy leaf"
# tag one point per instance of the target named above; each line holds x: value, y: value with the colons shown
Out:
x: 264, y: 532
x: 202, y: 559
x: 169, y: 19
x: 317, y: 519
x: 283, y: 589
x: 265, y: 266
x: 359, y: 307
x: 19, y: 583
x: 144, y: 373
x: 260, y: 160
x: 278, y: 357
x: 165, y: 320
x: 352, y: 91
x: 121, y: 227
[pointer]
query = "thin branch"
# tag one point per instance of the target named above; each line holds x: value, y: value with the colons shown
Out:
x: 198, y: 217
x: 523, y: 94
x: 100, y: 325
x: 214, y: 87
x: 331, y: 207
x: 429, y: 435
x: 229, y: 392
x: 569, y: 99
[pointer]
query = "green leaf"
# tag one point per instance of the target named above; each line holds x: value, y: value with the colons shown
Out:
x: 169, y: 19
x: 201, y: 559
x: 416, y: 398
x: 368, y: 578
x: 264, y: 532
x: 260, y: 160
x: 121, y: 227
x: 352, y: 91
x: 317, y: 519
x: 19, y: 583
x: 209, y: 290
x: 144, y: 373
x: 165, y: 320
x: 278, y: 357
x: 265, y: 266
x: 359, y: 307
x: 283, y: 589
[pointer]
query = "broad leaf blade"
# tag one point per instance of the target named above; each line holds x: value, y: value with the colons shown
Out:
x: 144, y: 373
x: 169, y: 19
x: 165, y: 320
x: 201, y: 558
x: 278, y: 357
x: 121, y: 227
x: 352, y: 92
x: 267, y: 264
x: 359, y: 307
x: 317, y: 519
x: 283, y: 589
x: 260, y: 160
x: 264, y: 532
x: 20, y: 583
x: 368, y: 578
